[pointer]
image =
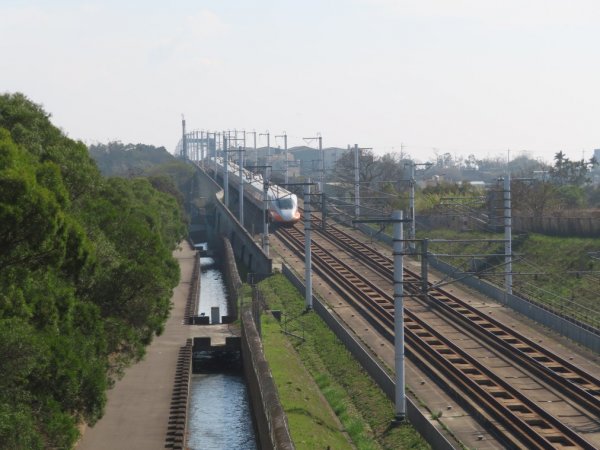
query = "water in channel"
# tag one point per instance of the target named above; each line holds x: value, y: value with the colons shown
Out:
x: 212, y: 288
x: 219, y: 415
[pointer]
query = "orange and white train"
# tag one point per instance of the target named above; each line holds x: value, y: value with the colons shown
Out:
x: 282, y: 204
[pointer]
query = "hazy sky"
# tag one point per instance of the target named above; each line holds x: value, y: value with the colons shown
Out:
x: 457, y: 76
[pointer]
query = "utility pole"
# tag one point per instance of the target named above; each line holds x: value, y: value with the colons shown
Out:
x: 202, y: 143
x: 307, y: 249
x: 400, y: 397
x: 212, y: 154
x: 255, y: 152
x: 266, y: 213
x: 356, y: 182
x: 268, y: 135
x: 322, y: 164
x: 183, y: 139
x: 217, y: 147
x: 357, y: 152
x: 241, y: 194
x: 322, y: 172
x: 230, y: 148
x: 507, y: 236
x: 413, y: 227
x: 199, y: 145
x: 265, y: 209
x: 226, y: 170
x: 285, y: 147
x: 411, y: 212
x: 398, y: 252
x: 244, y: 141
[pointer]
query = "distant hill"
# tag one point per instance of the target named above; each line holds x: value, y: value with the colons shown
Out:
x: 128, y: 160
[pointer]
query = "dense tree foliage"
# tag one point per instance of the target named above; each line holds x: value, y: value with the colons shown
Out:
x: 567, y: 172
x: 86, y: 275
x: 127, y: 160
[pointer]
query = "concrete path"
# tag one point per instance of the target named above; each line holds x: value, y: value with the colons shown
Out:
x: 137, y: 411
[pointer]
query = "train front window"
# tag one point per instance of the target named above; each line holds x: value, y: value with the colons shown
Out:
x: 285, y: 203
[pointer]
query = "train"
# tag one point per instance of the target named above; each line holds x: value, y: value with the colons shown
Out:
x: 282, y: 204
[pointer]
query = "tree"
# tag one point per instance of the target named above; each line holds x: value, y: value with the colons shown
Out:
x: 566, y: 171
x: 369, y: 168
x: 534, y: 198
x: 86, y: 275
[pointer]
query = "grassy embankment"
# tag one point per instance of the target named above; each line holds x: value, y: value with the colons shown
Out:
x: 364, y: 411
x: 555, y: 270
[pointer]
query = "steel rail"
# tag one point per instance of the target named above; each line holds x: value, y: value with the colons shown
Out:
x: 542, y: 362
x: 534, y: 427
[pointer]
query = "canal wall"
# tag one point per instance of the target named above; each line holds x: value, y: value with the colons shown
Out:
x: 232, y: 278
x: 270, y: 419
x: 191, y: 306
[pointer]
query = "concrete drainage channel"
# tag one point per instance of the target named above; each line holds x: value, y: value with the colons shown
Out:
x: 219, y: 369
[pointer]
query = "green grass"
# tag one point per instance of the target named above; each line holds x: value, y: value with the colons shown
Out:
x: 361, y: 406
x: 312, y: 424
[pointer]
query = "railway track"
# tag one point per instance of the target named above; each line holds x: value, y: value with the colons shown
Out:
x: 571, y: 380
x: 519, y: 422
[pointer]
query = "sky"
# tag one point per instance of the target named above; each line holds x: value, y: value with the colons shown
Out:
x: 423, y: 77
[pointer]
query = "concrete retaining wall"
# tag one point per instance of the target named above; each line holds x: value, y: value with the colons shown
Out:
x: 245, y: 249
x: 226, y: 224
x: 232, y: 278
x: 191, y: 307
x: 423, y: 425
x: 269, y: 416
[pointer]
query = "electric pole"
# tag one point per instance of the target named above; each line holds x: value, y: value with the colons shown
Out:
x: 322, y: 168
x: 398, y: 252
x: 411, y: 212
x: 285, y: 147
x: 226, y: 170
x: 268, y: 135
x: 507, y: 236
x: 255, y: 151
x: 356, y: 182
x: 307, y: 249
x: 183, y: 139
x: 400, y: 397
x: 241, y: 194
x: 266, y: 246
x: 357, y: 152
